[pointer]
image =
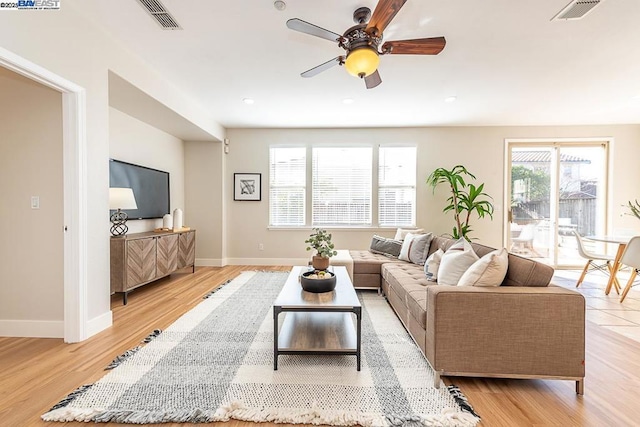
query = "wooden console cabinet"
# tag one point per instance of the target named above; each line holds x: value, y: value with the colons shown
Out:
x: 140, y: 258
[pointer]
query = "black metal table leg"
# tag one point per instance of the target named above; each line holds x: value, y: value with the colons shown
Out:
x: 276, y: 312
x: 358, y: 311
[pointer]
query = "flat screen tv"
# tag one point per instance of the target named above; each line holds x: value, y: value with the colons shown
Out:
x: 150, y: 188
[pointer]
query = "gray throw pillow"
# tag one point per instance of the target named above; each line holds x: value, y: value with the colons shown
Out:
x: 420, y: 248
x: 384, y: 246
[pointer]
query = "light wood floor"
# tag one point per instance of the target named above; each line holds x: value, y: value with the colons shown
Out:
x: 36, y: 373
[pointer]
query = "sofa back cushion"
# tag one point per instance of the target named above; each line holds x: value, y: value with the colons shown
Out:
x: 521, y: 271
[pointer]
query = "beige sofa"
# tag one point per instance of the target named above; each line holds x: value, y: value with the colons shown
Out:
x: 525, y: 328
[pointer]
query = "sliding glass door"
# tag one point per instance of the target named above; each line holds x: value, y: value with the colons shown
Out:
x: 555, y: 189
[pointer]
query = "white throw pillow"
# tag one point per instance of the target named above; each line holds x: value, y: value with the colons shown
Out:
x: 455, y: 261
x: 401, y: 233
x: 488, y: 270
x: 406, y: 247
x: 432, y: 265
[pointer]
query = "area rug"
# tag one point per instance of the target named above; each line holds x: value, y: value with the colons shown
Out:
x: 215, y: 363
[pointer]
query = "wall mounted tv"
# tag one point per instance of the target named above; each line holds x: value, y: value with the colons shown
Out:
x: 150, y: 188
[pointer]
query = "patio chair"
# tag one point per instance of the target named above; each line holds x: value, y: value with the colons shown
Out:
x: 524, y: 242
x: 631, y: 257
x: 601, y: 262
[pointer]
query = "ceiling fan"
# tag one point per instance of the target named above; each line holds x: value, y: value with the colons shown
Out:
x: 362, y: 42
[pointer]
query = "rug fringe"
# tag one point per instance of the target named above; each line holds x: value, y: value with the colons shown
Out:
x: 153, y: 335
x: 127, y: 354
x: 216, y: 289
x: 121, y: 358
x: 71, y: 396
x: 461, y: 400
x: 315, y: 416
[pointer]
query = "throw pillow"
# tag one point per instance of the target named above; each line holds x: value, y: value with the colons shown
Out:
x: 406, y: 247
x: 401, y: 233
x: 488, y: 270
x: 432, y: 264
x: 455, y: 261
x: 420, y: 248
x: 386, y: 247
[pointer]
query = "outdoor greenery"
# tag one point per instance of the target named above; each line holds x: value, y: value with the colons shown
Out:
x: 320, y: 240
x: 465, y: 199
x: 538, y: 183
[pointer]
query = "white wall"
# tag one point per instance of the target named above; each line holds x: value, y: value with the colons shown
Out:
x: 136, y: 142
x: 67, y: 44
x: 31, y: 247
x: 480, y: 149
x: 204, y: 180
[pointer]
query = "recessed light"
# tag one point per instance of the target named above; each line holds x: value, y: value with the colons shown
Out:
x: 279, y: 5
x: 450, y: 99
x: 348, y: 101
x: 248, y: 101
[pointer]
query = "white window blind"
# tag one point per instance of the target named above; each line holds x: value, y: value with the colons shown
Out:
x: 341, y: 186
x: 397, y: 186
x: 287, y: 179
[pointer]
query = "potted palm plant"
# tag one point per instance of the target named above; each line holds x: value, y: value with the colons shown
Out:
x: 465, y: 198
x: 320, y: 240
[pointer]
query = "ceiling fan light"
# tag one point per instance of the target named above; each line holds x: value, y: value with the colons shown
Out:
x: 362, y: 62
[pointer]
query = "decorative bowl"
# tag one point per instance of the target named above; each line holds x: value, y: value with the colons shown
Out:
x: 312, y: 281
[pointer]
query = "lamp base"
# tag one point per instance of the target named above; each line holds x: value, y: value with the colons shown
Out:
x: 119, y: 223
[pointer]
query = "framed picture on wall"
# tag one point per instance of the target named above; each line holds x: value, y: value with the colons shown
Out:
x: 247, y: 186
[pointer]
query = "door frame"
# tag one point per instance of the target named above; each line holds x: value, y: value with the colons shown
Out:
x: 606, y: 201
x: 74, y: 190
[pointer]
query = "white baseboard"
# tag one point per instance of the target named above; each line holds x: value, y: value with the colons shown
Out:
x: 99, y: 324
x: 267, y: 261
x: 209, y: 262
x: 32, y: 328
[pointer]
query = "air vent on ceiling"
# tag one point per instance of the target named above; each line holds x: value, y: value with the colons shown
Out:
x: 160, y: 14
x: 577, y: 9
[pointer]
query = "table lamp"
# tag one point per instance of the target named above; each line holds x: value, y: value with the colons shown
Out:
x: 120, y: 198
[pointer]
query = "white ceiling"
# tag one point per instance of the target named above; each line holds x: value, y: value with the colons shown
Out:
x: 505, y: 60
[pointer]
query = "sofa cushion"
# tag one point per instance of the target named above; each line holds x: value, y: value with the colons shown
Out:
x: 415, y: 248
x: 521, y: 271
x: 401, y: 233
x: 487, y: 271
x: 432, y: 265
x: 387, y: 247
x: 410, y: 284
x: 365, y: 262
x: 455, y: 261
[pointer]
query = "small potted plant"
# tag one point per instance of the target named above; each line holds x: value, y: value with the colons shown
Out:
x: 320, y: 240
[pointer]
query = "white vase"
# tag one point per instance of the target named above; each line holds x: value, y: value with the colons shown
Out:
x: 167, y: 221
x: 177, y: 219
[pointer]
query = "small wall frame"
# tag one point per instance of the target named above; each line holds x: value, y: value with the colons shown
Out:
x: 247, y: 186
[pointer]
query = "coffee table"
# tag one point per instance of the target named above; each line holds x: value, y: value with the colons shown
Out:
x: 317, y: 323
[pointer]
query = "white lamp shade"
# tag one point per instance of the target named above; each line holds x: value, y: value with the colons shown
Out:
x: 122, y: 198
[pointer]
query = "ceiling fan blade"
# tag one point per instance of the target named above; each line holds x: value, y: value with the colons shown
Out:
x: 430, y: 46
x: 314, y: 30
x: 323, y: 67
x: 372, y: 80
x: 383, y: 14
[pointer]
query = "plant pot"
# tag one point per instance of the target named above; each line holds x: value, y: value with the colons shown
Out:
x: 320, y: 262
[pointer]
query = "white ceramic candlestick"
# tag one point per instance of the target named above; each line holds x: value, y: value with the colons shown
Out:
x: 177, y: 219
x: 167, y: 221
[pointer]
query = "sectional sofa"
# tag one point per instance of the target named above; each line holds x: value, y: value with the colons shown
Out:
x: 525, y: 328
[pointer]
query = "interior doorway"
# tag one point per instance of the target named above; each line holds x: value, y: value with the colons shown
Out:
x: 554, y: 189
x: 75, y: 326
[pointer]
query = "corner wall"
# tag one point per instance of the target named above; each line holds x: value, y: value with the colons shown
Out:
x: 204, y: 180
